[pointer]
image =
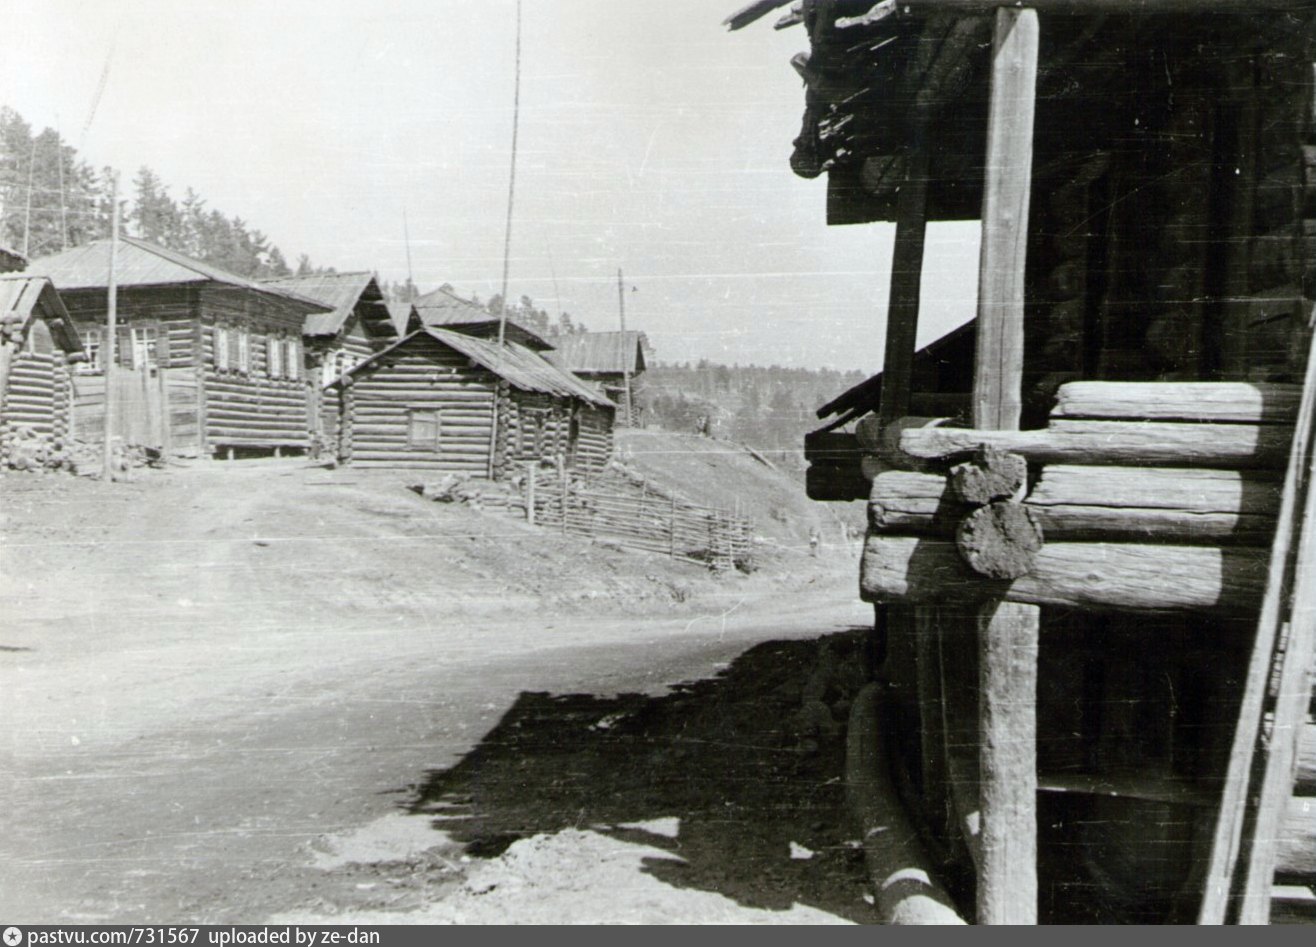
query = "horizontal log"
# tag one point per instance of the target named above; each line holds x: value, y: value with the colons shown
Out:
x: 1118, y: 576
x: 905, y: 501
x: 1158, y: 504
x: 1199, y: 401
x: 1126, y: 443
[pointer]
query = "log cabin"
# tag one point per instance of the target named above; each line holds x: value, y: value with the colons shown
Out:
x: 11, y: 261
x: 334, y: 342
x: 208, y: 362
x: 1085, y: 507
x: 615, y: 361
x: 442, y: 400
x: 444, y: 309
x: 38, y: 346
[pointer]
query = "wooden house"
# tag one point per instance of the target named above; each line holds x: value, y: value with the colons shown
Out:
x: 1109, y: 726
x: 38, y: 345
x: 209, y: 362
x: 445, y: 401
x: 11, y: 261
x: 335, y: 342
x: 444, y: 309
x: 614, y: 361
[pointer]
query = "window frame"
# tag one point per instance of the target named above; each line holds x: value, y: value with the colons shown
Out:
x: 418, y: 441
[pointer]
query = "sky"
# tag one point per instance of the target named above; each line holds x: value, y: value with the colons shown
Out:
x: 651, y: 140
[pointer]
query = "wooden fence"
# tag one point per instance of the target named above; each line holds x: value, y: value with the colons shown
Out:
x: 637, y: 519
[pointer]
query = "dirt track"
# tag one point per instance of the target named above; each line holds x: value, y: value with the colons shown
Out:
x: 237, y: 675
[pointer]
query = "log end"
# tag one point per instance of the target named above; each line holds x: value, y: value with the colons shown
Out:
x: 992, y: 474
x: 1000, y: 540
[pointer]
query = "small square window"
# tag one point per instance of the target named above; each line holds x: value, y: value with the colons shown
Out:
x: 424, y: 428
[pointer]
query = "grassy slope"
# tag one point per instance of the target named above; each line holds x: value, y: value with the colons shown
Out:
x: 717, y: 473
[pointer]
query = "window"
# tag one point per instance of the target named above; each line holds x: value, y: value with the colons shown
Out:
x: 293, y: 361
x: 221, y: 348
x: 244, y: 351
x: 424, y: 427
x: 143, y: 347
x: 274, y: 357
x: 91, y: 344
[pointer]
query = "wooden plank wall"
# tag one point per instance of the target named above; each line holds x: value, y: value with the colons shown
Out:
x: 424, y: 374
x: 180, y: 387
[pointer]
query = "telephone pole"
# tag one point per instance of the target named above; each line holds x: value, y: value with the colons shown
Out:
x: 111, y: 327
x: 625, y: 349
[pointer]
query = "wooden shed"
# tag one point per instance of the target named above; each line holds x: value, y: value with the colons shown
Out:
x: 210, y: 362
x: 38, y: 344
x: 445, y: 401
x: 11, y: 261
x: 614, y: 361
x: 1111, y: 726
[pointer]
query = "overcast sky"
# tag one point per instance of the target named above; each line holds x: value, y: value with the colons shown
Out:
x: 651, y: 139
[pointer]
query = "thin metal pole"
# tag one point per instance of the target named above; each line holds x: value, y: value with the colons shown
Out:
x: 511, y: 183
x: 111, y: 327
x: 625, y: 369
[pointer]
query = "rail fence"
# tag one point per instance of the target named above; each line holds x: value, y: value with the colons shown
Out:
x: 637, y: 518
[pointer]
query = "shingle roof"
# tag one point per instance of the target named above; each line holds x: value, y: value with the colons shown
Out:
x: 343, y: 291
x: 602, y: 352
x: 515, y: 363
x: 25, y: 295
x: 445, y: 308
x: 141, y: 263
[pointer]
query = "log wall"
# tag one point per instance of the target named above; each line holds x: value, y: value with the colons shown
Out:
x: 427, y: 375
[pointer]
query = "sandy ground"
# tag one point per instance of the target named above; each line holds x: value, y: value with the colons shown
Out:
x: 271, y: 690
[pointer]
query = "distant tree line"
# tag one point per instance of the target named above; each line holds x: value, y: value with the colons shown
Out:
x: 768, y: 408
x: 51, y: 200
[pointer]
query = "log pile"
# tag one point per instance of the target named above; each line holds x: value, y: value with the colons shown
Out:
x: 1138, y: 496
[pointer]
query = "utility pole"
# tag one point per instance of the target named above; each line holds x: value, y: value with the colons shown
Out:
x: 111, y: 327
x: 406, y: 237
x: 625, y: 349
x: 27, y: 216
x: 63, y: 202
x: 511, y: 183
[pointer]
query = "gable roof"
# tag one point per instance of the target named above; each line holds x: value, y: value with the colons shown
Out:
x: 142, y: 263
x: 404, y: 317
x: 600, y: 352
x: 345, y: 292
x: 26, y: 296
x: 516, y: 364
x: 445, y: 308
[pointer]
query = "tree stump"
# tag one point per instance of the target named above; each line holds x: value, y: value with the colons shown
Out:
x: 1000, y: 540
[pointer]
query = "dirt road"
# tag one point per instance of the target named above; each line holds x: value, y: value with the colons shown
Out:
x: 233, y: 694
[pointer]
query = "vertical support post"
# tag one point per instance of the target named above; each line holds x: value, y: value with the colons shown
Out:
x: 166, y: 422
x: 998, y: 366
x: 1007, y: 632
x: 906, y: 276
x: 562, y: 485
x: 111, y: 330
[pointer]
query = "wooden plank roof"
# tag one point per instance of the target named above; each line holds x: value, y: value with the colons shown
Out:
x: 141, y: 263
x: 600, y: 352
x: 518, y: 365
x: 27, y: 296
x: 404, y: 317
x: 345, y: 292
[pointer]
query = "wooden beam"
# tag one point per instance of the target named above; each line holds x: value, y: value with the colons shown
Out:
x: 998, y: 363
x: 1179, y: 401
x: 1115, y: 443
x: 1007, y: 631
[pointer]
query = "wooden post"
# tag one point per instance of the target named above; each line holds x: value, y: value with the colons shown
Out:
x: 625, y: 354
x: 562, y: 488
x: 1007, y: 632
x: 166, y: 431
x: 671, y: 532
x: 530, y: 493
x: 111, y: 329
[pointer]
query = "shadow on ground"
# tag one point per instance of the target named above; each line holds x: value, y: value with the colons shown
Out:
x: 744, y: 770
